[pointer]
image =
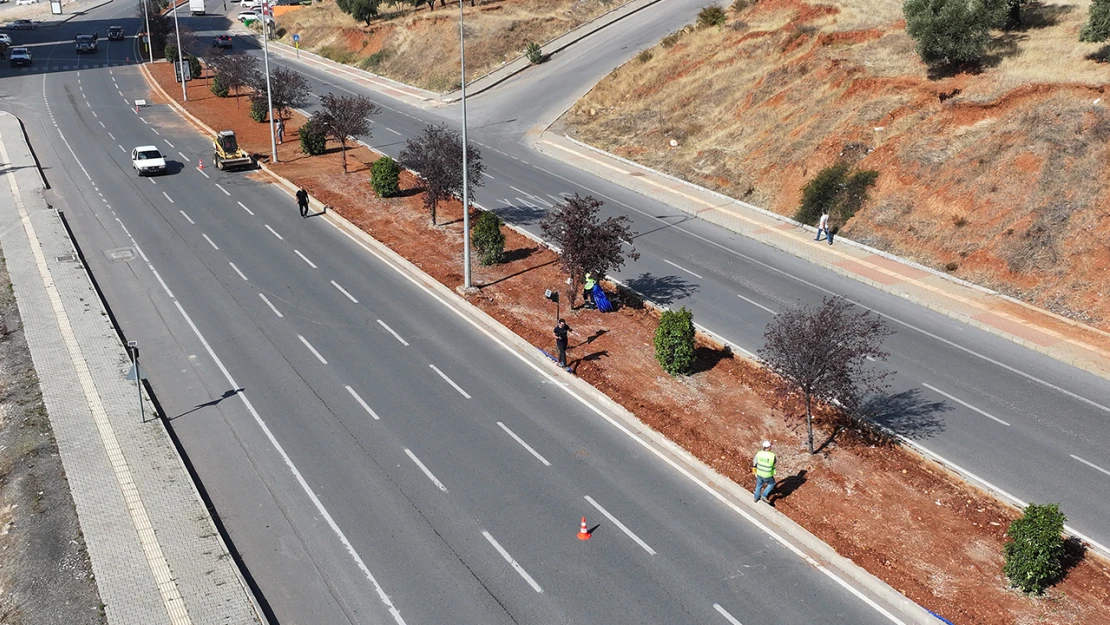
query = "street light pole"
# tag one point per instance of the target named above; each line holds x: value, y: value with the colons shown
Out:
x: 266, y: 61
x: 465, y: 145
x: 180, y: 54
x: 149, y: 41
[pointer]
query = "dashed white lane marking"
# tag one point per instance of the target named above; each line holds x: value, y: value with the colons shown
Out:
x: 724, y: 613
x: 168, y: 142
x: 183, y: 155
x: 403, y: 341
x: 155, y: 131
x: 202, y: 172
x: 272, y: 307
x: 241, y: 275
x: 94, y: 114
x: 428, y: 473
x: 121, y: 94
x: 112, y: 136
x: 344, y: 291
x: 488, y: 176
x: 363, y: 404
x: 210, y: 241
x: 683, y: 269
x: 393, y: 131
x: 187, y: 217
x: 963, y: 403
x: 88, y: 104
x: 620, y: 525
x: 524, y: 445
x: 121, y: 148
x: 312, y: 349
x: 144, y: 121
x: 244, y: 207
x: 755, y: 303
x: 513, y: 563
x: 1090, y: 464
x: 168, y: 197
x: 518, y: 190
x: 102, y: 124
x: 304, y: 258
x: 274, y: 232
x: 449, y: 381
x: 222, y: 189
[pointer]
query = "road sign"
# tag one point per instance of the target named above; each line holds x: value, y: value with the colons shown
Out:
x: 182, y: 70
x: 296, y: 37
x: 131, y: 373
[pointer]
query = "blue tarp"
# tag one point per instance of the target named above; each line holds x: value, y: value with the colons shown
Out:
x: 601, y: 300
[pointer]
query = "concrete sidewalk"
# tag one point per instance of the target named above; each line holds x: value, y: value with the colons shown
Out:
x: 155, y: 551
x: 1053, y: 335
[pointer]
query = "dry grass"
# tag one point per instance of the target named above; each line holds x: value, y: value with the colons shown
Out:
x: 421, y: 47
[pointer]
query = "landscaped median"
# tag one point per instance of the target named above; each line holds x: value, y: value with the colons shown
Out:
x: 906, y: 520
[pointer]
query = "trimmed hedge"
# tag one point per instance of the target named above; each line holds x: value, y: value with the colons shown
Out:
x: 314, y: 139
x: 674, y: 341
x: 488, y: 240
x: 1035, y: 553
x: 385, y: 177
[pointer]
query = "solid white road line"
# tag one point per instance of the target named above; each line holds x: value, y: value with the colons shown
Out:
x: 312, y: 349
x: 449, y: 381
x: 622, y: 527
x: 168, y: 197
x: 1090, y: 464
x: 245, y: 208
x: 272, y: 307
x: 513, y: 563
x: 241, y: 275
x: 343, y: 290
x: 222, y: 189
x: 187, y: 217
x: 683, y: 269
x: 428, y: 473
x: 305, y: 259
x: 405, y: 343
x: 210, y: 242
x: 755, y: 303
x: 274, y: 232
x: 523, y: 444
x: 362, y: 403
x: 724, y: 613
x: 962, y: 403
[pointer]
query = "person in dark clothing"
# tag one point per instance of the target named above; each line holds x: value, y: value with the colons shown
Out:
x: 561, y: 332
x: 302, y: 201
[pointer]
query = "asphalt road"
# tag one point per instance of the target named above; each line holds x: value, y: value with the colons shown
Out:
x: 1026, y: 424
x: 374, y: 456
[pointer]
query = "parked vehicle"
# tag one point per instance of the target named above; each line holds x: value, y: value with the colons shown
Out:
x: 196, y: 7
x: 247, y: 16
x: 20, y: 56
x: 146, y: 159
x: 115, y: 33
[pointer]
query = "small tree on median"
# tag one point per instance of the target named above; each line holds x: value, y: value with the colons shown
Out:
x: 588, y: 244
x: 344, y: 117
x: 237, y: 71
x: 314, y: 139
x: 288, y: 89
x: 385, y: 177
x: 435, y: 155
x: 674, y: 341
x: 821, y: 352
x: 1035, y: 553
x: 487, y: 239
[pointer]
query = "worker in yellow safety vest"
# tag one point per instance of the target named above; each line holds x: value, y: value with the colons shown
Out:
x: 588, y: 291
x: 764, y: 468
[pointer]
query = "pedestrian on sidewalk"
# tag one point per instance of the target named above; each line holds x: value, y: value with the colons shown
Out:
x: 561, y: 340
x: 764, y: 468
x: 823, y: 227
x: 280, y: 130
x: 588, y: 291
x: 302, y: 201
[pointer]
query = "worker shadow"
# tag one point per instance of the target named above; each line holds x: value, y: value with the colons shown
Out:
x: 663, y: 290
x: 598, y: 355
x: 227, y: 394
x: 786, y: 487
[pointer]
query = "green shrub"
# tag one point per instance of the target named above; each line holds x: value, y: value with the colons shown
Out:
x: 672, y: 39
x: 170, y: 52
x: 195, y: 69
x: 712, y: 15
x: 644, y: 56
x: 339, y: 54
x: 836, y: 190
x: 534, y: 53
x: 1097, y: 27
x: 674, y: 341
x: 259, y: 109
x: 385, y: 176
x: 1035, y: 553
x: 375, y: 60
x: 487, y: 239
x: 950, y: 32
x: 314, y: 139
x: 740, y: 5
x: 218, y: 87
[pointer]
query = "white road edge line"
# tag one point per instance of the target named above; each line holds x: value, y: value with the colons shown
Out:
x: 428, y: 473
x: 513, y: 563
x: 187, y: 217
x: 363, y: 404
x: 406, y: 344
x: 524, y: 445
x: 274, y: 232
x: 241, y: 275
x: 620, y: 525
x: 244, y: 207
x: 449, y: 381
x: 304, y: 258
x: 222, y: 189
x: 170, y: 198
x: 344, y: 291
x: 963, y: 403
x: 683, y: 269
x: 272, y: 307
x: 724, y: 613
x: 312, y: 349
x: 755, y: 303
x: 1090, y: 464
x: 210, y: 241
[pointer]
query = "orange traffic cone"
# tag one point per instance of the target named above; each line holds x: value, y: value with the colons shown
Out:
x: 583, y: 534
x: 200, y: 163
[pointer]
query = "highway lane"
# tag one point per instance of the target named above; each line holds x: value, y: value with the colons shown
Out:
x: 438, y: 550
x: 991, y: 407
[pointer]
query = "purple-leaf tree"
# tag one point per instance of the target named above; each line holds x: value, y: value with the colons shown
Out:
x: 589, y: 245
x: 435, y: 155
x: 344, y: 117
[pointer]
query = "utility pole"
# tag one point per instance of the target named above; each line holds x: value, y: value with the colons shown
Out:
x: 149, y: 41
x: 465, y: 145
x: 180, y: 54
x: 266, y: 61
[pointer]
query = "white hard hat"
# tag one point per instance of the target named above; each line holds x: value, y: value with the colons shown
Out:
x: 766, y: 444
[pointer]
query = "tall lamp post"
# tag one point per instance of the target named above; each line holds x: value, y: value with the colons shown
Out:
x: 266, y: 63
x: 180, y: 54
x: 149, y: 41
x: 465, y: 145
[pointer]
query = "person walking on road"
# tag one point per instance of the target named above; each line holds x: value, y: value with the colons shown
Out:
x: 302, y: 201
x: 561, y: 341
x: 764, y: 468
x: 823, y: 227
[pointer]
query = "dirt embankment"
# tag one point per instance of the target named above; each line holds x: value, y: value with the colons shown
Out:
x: 1000, y: 177
x: 421, y: 47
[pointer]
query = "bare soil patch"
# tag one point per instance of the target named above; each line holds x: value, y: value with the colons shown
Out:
x: 906, y: 520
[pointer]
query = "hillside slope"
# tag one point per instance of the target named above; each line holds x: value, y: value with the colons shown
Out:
x: 1000, y: 177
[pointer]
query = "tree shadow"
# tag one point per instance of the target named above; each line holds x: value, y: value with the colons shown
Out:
x: 227, y: 394
x: 787, y: 486
x: 662, y: 290
x: 515, y: 274
x: 906, y: 413
x: 1038, y: 15
x: 521, y: 215
x: 1002, y: 47
x: 705, y: 358
x: 1074, y: 552
x: 519, y: 253
x: 1102, y: 55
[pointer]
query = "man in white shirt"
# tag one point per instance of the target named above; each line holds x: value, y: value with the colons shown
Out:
x: 823, y: 228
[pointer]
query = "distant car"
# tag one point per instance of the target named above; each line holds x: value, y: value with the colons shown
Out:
x: 19, y: 56
x: 247, y: 16
x: 5, y: 39
x: 25, y: 2
x: 250, y: 4
x: 86, y: 43
x: 22, y: 24
x: 115, y: 33
x: 146, y: 159
x: 222, y: 41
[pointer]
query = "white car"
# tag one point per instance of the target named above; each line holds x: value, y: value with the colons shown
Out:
x: 250, y: 4
x: 23, y: 2
x: 5, y: 39
x: 146, y: 159
x: 247, y: 16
